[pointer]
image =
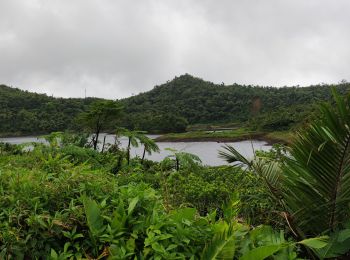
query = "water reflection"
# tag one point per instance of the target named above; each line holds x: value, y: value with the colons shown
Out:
x: 207, y: 151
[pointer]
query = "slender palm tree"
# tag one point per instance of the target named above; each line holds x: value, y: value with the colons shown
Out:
x: 183, y: 159
x: 133, y: 136
x: 99, y: 116
x: 149, y: 146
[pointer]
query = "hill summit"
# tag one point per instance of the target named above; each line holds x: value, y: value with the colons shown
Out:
x: 191, y: 99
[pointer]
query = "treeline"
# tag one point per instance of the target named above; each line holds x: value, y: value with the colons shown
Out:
x: 171, y: 107
x: 23, y: 112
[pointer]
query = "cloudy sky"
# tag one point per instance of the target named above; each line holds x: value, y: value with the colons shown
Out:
x: 116, y: 48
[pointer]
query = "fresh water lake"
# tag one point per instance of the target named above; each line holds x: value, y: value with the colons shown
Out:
x: 207, y: 151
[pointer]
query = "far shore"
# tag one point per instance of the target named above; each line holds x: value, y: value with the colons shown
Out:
x: 198, y: 136
x: 268, y: 138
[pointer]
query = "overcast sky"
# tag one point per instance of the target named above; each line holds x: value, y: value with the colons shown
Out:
x: 115, y: 48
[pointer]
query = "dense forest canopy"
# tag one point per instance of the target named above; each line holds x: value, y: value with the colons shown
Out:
x: 23, y: 112
x: 201, y: 102
x: 171, y: 107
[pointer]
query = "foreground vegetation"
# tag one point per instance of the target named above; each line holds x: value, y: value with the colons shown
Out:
x: 67, y: 200
x: 64, y: 201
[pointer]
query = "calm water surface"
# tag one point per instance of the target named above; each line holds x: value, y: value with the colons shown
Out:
x: 207, y: 151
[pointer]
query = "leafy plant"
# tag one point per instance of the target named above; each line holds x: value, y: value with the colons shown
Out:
x: 100, y: 116
x: 183, y: 159
x: 312, y: 184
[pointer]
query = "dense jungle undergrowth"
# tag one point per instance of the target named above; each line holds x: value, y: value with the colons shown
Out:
x: 65, y: 200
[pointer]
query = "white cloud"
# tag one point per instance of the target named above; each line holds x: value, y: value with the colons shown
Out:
x: 116, y: 48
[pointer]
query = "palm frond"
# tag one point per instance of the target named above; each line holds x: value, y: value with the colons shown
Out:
x: 222, y: 245
x: 231, y: 155
x: 269, y: 171
x: 317, y: 176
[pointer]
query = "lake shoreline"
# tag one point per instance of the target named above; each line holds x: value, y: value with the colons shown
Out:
x: 269, y: 138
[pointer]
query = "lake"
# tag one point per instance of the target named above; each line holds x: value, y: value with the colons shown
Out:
x: 207, y: 151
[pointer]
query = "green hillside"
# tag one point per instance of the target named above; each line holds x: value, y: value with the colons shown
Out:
x: 201, y: 102
x: 23, y: 112
x: 172, y: 107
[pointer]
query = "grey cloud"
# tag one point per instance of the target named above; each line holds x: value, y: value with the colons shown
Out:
x: 116, y: 48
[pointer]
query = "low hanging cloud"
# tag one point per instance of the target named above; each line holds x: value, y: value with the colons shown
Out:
x: 116, y: 48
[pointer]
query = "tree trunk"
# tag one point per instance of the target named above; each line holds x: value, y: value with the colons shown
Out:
x: 104, y: 142
x: 143, y: 156
x: 97, y: 133
x: 96, y: 139
x: 128, y: 152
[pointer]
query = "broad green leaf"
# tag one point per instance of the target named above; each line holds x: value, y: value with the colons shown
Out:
x: 172, y: 246
x: 262, y: 252
x: 316, y: 242
x: 132, y: 205
x: 222, y: 246
x: 93, y: 216
x: 53, y: 254
x: 164, y: 236
x: 334, y: 247
x: 158, y: 248
x: 344, y: 235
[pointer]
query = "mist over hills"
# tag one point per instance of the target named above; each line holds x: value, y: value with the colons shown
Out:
x: 171, y: 107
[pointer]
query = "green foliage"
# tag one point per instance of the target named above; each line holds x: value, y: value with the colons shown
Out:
x: 171, y: 107
x: 182, y: 159
x: 101, y: 115
x: 149, y: 146
x: 134, y: 137
x: 311, y: 182
x: 22, y: 112
x: 61, y: 202
x: 237, y: 241
x: 6, y: 148
x: 319, y: 169
x: 198, y: 101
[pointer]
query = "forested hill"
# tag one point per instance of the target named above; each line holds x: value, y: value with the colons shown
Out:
x: 191, y: 99
x: 171, y: 107
x: 23, y: 112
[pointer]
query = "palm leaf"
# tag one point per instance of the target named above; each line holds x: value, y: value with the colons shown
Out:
x: 231, y: 155
x: 222, y: 245
x: 317, y: 176
x: 269, y: 171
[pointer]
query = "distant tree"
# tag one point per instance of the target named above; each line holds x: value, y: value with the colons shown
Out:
x: 100, y: 116
x: 168, y: 122
x: 183, y: 159
x: 149, y: 146
x: 133, y: 136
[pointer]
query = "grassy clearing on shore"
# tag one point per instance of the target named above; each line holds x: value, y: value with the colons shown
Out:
x: 227, y: 135
x: 239, y: 133
x: 280, y: 137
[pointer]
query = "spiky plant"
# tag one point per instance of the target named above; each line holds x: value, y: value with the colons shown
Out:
x: 313, y: 184
x: 317, y: 183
